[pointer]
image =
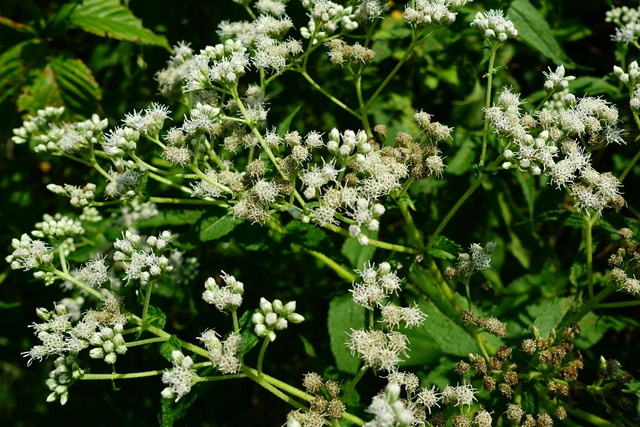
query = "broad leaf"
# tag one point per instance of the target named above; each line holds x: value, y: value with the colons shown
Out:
x: 553, y: 311
x: 108, y: 18
x: 344, y: 315
x: 213, y: 228
x: 62, y: 82
x: 535, y: 31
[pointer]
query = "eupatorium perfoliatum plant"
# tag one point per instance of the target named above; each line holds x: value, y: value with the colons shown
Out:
x: 410, y: 239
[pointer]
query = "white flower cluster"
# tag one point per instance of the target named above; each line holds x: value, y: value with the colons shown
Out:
x: 29, y: 253
x: 228, y: 297
x: 58, y: 336
x: 628, y: 21
x: 477, y: 259
x: 93, y: 273
x: 108, y: 343
x: 379, y: 349
x: 631, y: 79
x: 377, y: 285
x: 180, y: 378
x: 537, y: 139
x: 326, y: 16
x: 556, y: 81
x: 80, y: 196
x: 495, y: 27
x: 223, y: 354
x: 54, y: 136
x: 274, y: 316
x: 57, y: 227
x: 141, y: 264
x: 390, y: 410
x: 433, y: 13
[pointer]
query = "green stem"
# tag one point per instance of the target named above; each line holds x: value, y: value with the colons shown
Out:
x: 412, y: 230
x: 478, y: 181
x: 487, y: 102
x: 328, y: 95
x: 234, y: 318
x: 147, y: 299
x: 590, y: 418
x: 67, y: 276
x: 354, y: 382
x: 122, y: 376
x: 407, y: 53
x: 340, y: 270
x: 260, y: 380
x: 219, y: 378
x: 168, y: 182
x: 589, y: 248
x: 263, y: 350
x: 147, y: 341
x: 592, y: 303
x: 180, y: 201
x: 363, y: 107
x: 619, y: 304
x: 376, y: 243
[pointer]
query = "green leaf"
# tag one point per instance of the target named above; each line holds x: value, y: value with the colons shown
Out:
x: 42, y: 91
x: 172, y: 411
x: 439, y: 334
x: 213, y: 228
x: 169, y: 346
x: 344, y: 315
x: 308, y: 347
x: 108, y: 18
x: 13, y: 69
x: 535, y: 31
x: 249, y: 339
x: 444, y: 248
x: 173, y: 217
x: 357, y: 254
x: 308, y: 236
x: 156, y: 317
x: 285, y: 125
x: 553, y: 312
x: 528, y: 187
x: 64, y: 82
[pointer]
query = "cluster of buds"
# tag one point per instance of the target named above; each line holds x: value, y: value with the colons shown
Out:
x: 478, y: 258
x: 80, y: 196
x: 495, y: 27
x: 140, y: 264
x: 66, y: 372
x: 57, y: 227
x: 228, y: 297
x: 625, y: 263
x: 29, y: 253
x: 108, y: 344
x: 274, y: 316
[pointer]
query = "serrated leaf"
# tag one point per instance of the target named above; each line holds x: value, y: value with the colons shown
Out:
x: 552, y: 314
x: 23, y: 28
x: 444, y: 248
x: 156, y: 317
x: 169, y: 346
x: 344, y: 315
x: 79, y: 88
x: 43, y: 91
x: 64, y: 82
x: 535, y: 31
x: 108, y: 18
x: 213, y: 228
x: 441, y: 331
x: 13, y: 70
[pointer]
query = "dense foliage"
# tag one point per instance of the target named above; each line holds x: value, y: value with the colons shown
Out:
x: 326, y: 213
